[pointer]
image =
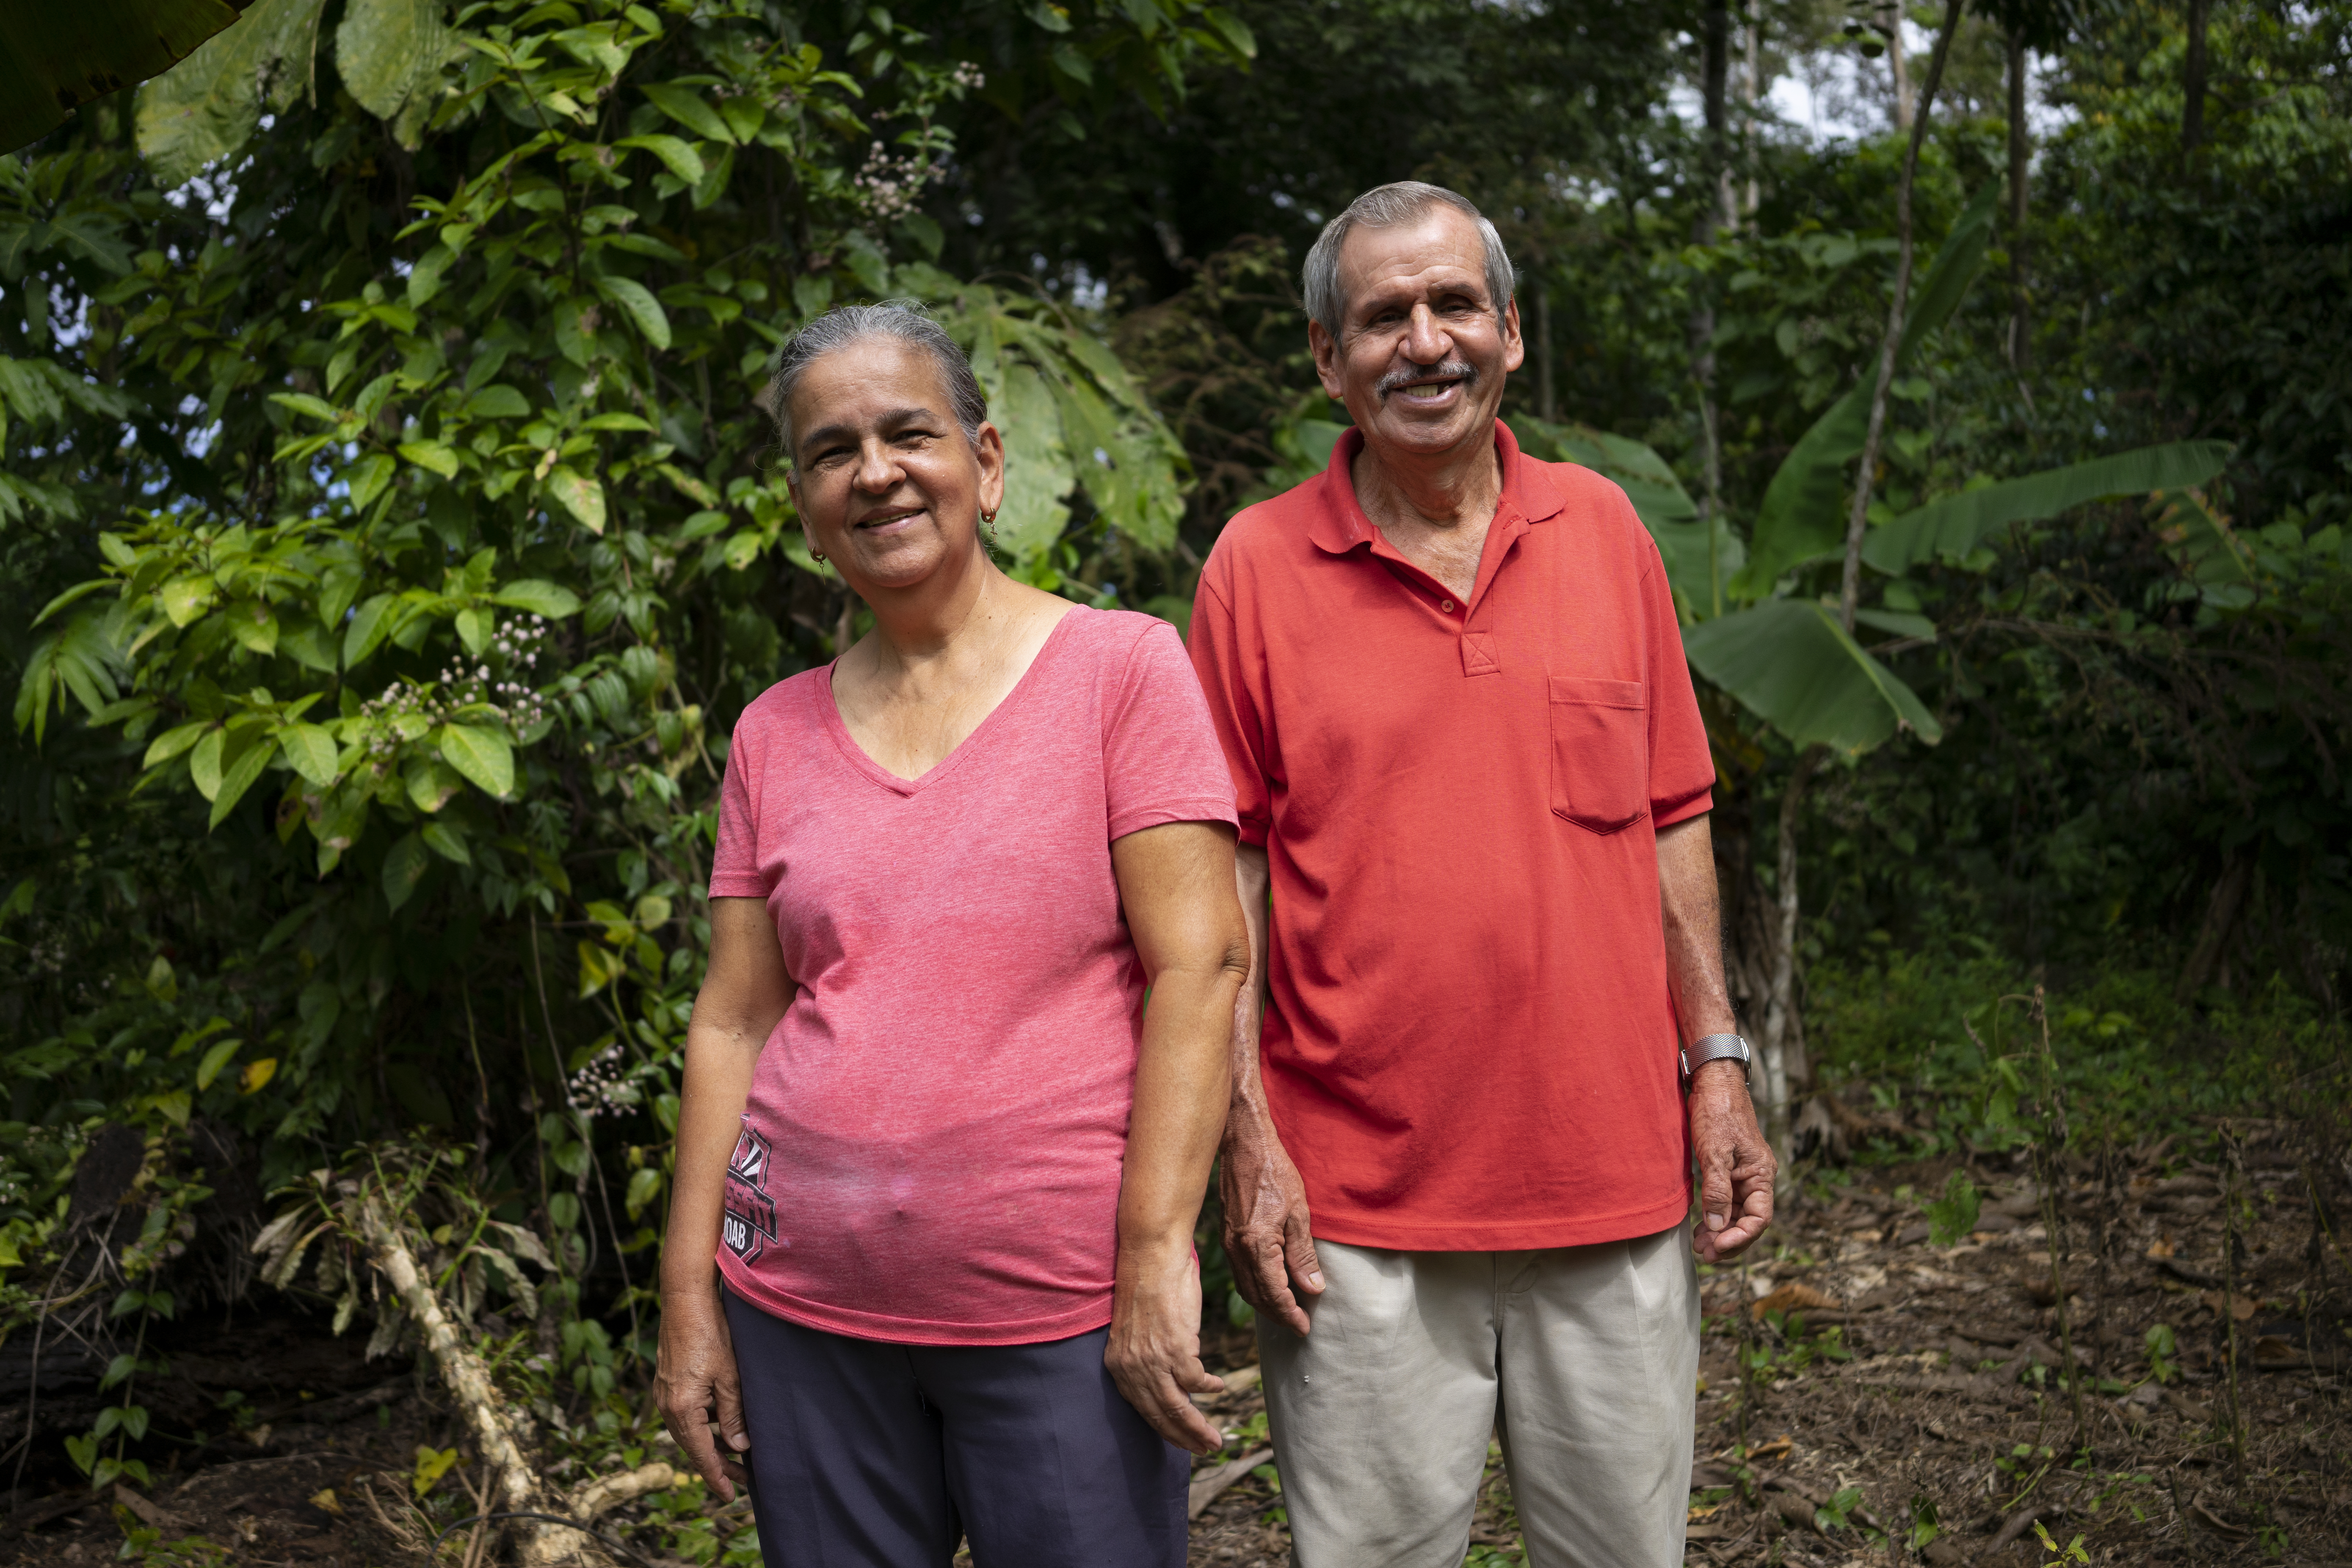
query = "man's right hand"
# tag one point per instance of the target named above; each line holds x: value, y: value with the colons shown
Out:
x: 1266, y: 1235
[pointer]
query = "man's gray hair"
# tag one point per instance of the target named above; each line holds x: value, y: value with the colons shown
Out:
x: 1386, y: 206
x: 904, y: 320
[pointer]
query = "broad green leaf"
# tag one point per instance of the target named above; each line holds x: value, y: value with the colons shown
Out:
x: 1790, y: 663
x: 539, y: 598
x: 390, y: 51
x: 474, y: 626
x: 685, y: 105
x: 56, y: 56
x: 675, y: 156
x: 638, y: 301
x: 446, y: 842
x: 240, y: 776
x: 252, y: 624
x: 368, y: 478
x: 482, y: 755
x: 215, y: 1060
x: 1955, y: 524
x: 424, y: 277
x: 431, y: 455
x: 204, y: 108
x: 172, y: 743
x: 204, y: 763
x: 581, y: 496
x: 2203, y: 542
x: 498, y: 402
x: 404, y: 866
x: 368, y: 626
x: 311, y: 751
x: 1801, y: 516
x: 1037, y: 474
x: 430, y: 781
x: 185, y: 598
x: 303, y: 402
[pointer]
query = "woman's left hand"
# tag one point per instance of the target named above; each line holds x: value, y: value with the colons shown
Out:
x: 1154, y: 1353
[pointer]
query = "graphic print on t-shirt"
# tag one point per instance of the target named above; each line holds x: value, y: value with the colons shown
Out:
x: 750, y: 1222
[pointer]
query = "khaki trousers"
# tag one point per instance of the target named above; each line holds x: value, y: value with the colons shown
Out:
x: 1584, y: 1360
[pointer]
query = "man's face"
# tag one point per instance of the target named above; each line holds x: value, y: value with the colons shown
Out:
x: 1422, y: 351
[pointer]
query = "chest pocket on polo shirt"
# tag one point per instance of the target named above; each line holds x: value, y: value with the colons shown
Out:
x: 1600, y: 751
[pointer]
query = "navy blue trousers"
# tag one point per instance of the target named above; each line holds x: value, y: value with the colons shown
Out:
x: 867, y: 1455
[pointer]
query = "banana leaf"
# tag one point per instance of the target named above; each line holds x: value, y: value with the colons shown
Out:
x: 57, y: 55
x: 1801, y: 518
x: 1659, y: 500
x: 1954, y: 525
x: 1791, y: 664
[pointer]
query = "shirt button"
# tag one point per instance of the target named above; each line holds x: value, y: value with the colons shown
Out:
x: 1446, y: 605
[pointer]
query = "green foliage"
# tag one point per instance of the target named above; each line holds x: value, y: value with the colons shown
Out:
x: 1953, y: 1216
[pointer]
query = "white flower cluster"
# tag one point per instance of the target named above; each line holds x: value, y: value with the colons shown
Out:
x: 969, y: 77
x: 890, y: 187
x: 601, y: 1087
x: 515, y: 644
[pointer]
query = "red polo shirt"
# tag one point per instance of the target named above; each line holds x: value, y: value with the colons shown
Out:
x: 1470, y: 1044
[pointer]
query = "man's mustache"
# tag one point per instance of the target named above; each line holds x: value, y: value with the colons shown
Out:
x: 1409, y: 375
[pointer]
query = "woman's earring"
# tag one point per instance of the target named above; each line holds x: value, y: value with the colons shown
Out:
x: 817, y: 554
x: 988, y: 526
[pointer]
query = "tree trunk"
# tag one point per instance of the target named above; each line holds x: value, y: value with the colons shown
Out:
x: 2193, y: 81
x: 1780, y: 1044
x: 1858, y: 519
x: 1751, y: 90
x: 1715, y: 71
x: 2220, y: 918
x: 1544, y: 403
x: 1900, y: 65
x: 2020, y: 150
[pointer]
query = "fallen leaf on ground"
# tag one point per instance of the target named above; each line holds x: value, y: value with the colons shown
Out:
x: 2238, y: 1307
x: 1789, y: 1298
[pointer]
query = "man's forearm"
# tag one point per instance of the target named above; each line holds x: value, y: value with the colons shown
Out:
x: 1251, y: 878
x: 1693, y: 923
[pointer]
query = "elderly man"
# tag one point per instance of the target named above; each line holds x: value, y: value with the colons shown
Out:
x: 1495, y: 1031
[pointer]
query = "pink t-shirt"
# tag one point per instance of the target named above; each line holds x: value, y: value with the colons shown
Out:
x: 932, y: 1149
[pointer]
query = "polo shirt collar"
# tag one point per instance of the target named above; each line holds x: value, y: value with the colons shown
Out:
x: 1340, y: 523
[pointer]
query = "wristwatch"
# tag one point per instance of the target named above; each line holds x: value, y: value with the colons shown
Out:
x: 1716, y: 1048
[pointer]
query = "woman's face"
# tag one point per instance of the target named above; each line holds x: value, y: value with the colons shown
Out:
x: 888, y: 486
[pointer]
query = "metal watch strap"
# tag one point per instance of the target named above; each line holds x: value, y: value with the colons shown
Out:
x: 1716, y: 1048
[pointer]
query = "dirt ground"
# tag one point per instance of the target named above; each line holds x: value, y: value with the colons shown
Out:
x: 1892, y: 1384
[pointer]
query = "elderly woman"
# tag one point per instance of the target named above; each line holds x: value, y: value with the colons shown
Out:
x: 930, y: 1262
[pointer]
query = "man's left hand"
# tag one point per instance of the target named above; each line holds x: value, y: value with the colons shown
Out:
x: 1735, y: 1165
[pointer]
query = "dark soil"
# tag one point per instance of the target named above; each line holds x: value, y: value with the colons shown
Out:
x: 1908, y: 1395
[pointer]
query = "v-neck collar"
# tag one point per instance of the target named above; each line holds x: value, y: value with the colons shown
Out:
x: 856, y: 755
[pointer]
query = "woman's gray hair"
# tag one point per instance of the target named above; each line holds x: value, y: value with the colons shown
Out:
x: 1386, y: 206
x: 904, y: 320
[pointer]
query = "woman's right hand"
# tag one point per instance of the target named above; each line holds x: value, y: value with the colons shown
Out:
x: 695, y: 1381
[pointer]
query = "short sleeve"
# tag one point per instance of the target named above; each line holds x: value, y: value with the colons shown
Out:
x: 735, y: 859
x: 1161, y: 758
x: 1233, y: 708
x: 1681, y: 764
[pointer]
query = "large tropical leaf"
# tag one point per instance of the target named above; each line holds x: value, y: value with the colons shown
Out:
x: 1696, y: 572
x: 1797, y: 670
x: 206, y: 106
x: 390, y: 53
x: 57, y: 55
x: 1037, y: 474
x: 1953, y: 525
x: 1800, y: 517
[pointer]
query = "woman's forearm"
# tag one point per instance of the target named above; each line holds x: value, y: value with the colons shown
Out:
x: 1182, y: 1085
x: 717, y: 1083
x: 744, y: 992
